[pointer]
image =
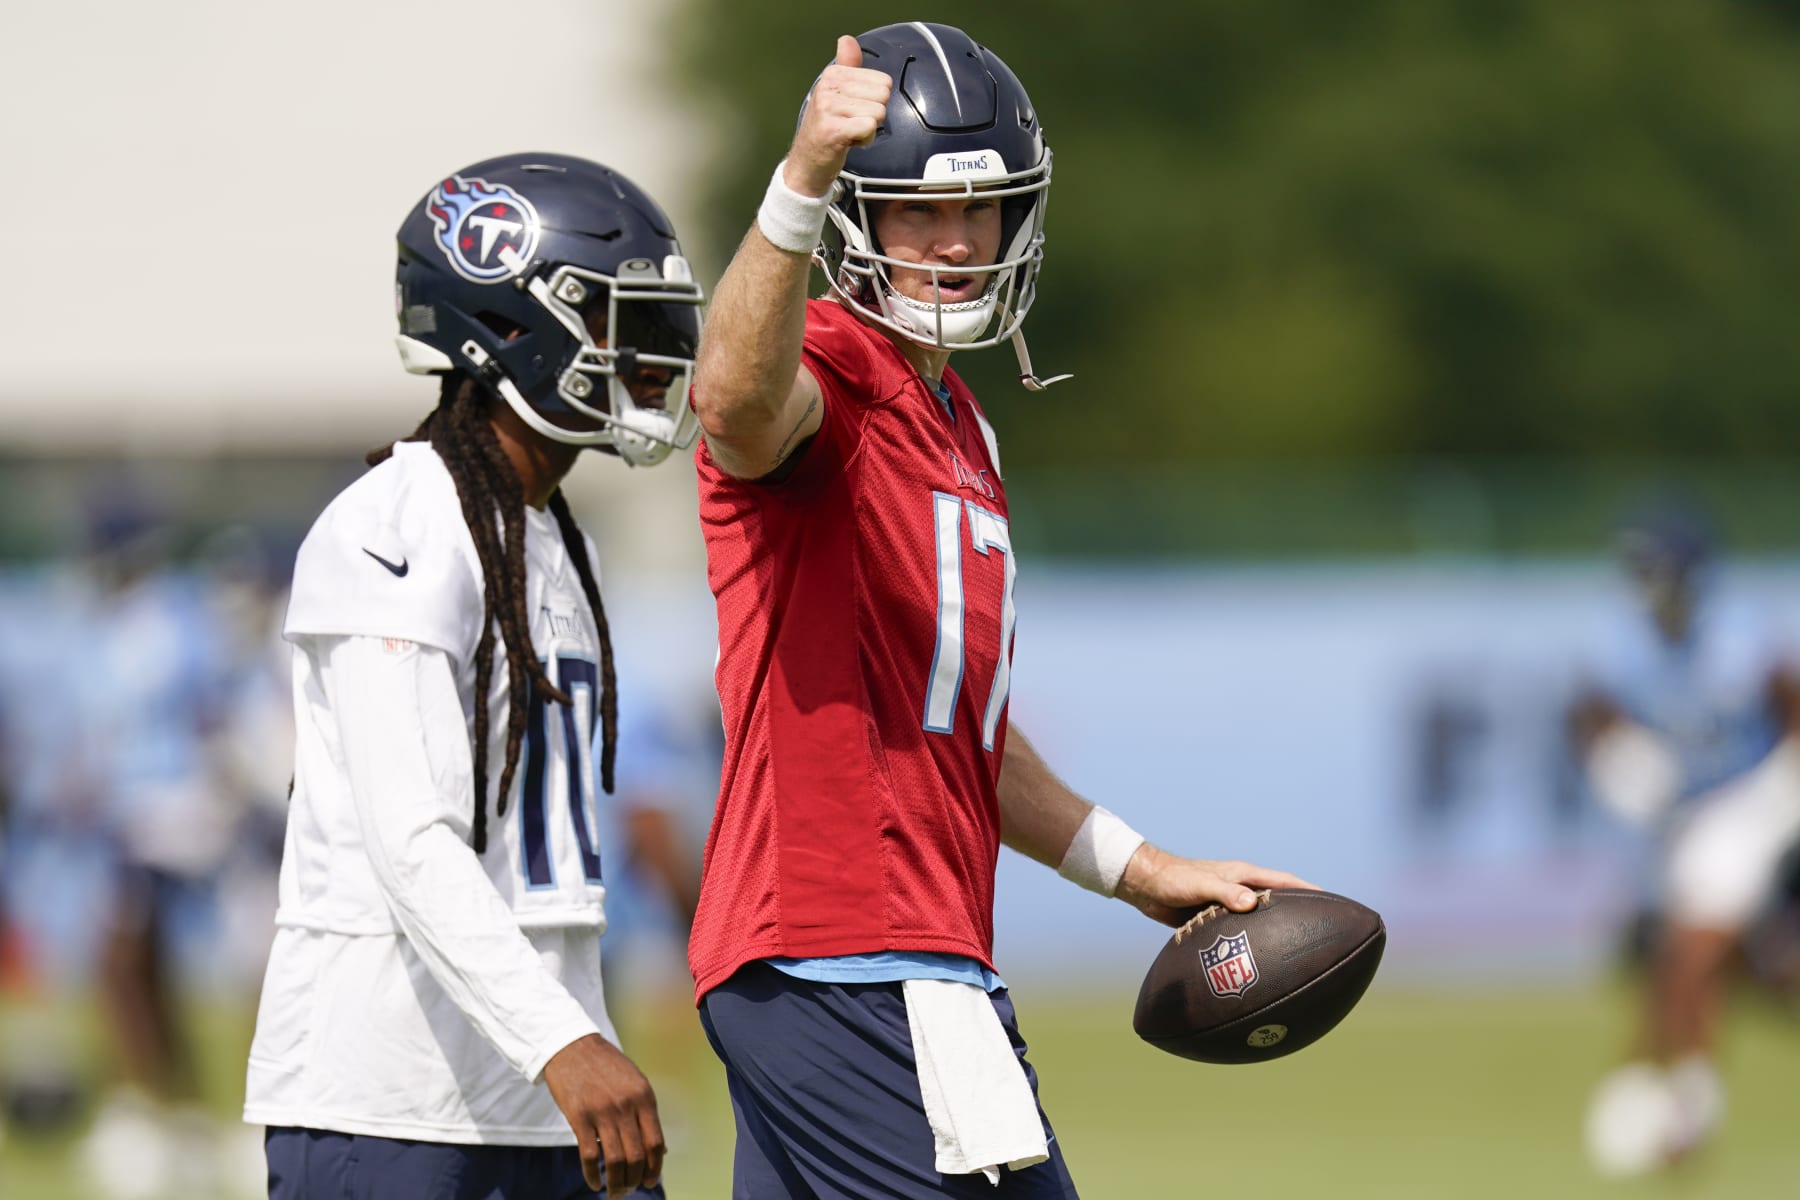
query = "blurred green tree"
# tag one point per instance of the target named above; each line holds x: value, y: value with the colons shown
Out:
x: 1303, y: 230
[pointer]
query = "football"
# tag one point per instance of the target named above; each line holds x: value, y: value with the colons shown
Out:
x: 1247, y: 987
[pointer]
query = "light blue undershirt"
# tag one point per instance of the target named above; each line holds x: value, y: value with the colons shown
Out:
x: 890, y: 966
x: 942, y: 391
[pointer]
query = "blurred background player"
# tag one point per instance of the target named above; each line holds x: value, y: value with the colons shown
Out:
x: 251, y: 747
x: 56, y: 855
x: 654, y: 829
x: 858, y: 545
x: 1688, y: 729
x: 670, y: 743
x: 151, y: 703
x: 437, y: 952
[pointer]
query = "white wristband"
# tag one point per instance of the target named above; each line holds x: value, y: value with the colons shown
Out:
x: 1096, y: 858
x: 1634, y: 773
x: 789, y: 220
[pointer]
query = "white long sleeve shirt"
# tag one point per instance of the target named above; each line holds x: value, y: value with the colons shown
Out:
x: 415, y: 989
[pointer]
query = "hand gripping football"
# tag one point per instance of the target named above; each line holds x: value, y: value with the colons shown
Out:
x: 1246, y: 987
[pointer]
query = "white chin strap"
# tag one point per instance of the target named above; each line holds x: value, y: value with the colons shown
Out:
x: 960, y: 323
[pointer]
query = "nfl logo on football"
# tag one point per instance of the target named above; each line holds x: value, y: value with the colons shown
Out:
x: 1230, y: 967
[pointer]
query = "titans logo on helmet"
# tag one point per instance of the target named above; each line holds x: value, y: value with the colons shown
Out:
x: 488, y: 233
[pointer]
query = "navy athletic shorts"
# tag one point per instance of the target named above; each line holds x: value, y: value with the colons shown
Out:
x: 315, y: 1164
x: 826, y: 1094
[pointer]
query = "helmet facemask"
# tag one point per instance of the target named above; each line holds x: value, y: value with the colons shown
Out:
x: 652, y: 320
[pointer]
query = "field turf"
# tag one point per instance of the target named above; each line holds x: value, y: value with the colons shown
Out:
x: 1427, y: 1094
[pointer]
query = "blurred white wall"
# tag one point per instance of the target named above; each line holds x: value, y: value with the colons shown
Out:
x: 201, y: 196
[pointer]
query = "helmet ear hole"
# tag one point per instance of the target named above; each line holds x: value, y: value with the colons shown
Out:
x: 501, y: 327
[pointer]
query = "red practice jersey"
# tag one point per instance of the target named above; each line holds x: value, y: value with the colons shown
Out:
x: 865, y: 631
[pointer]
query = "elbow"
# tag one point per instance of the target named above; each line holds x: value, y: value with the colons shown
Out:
x: 714, y: 408
x: 711, y: 397
x: 727, y: 413
x: 705, y: 397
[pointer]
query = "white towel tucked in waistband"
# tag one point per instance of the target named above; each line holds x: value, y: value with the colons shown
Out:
x: 983, y: 1115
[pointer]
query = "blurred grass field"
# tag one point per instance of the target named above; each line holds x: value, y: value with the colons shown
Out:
x: 1425, y: 1094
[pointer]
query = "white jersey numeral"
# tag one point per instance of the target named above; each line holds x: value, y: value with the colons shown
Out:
x: 987, y: 531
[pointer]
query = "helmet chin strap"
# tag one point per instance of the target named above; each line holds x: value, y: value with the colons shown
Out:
x: 943, y: 325
x: 1027, y: 376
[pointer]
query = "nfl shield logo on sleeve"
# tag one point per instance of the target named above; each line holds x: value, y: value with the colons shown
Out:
x: 1230, y: 967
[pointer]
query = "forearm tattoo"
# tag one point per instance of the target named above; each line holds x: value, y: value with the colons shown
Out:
x: 787, y: 443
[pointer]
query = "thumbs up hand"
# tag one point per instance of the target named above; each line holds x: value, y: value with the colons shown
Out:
x: 846, y: 107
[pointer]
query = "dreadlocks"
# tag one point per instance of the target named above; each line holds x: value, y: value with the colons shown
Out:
x: 486, y: 483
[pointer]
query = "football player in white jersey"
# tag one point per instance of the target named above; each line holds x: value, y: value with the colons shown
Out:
x: 1689, y: 729
x: 433, y: 1023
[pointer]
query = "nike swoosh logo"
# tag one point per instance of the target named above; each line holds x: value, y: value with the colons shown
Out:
x: 400, y: 568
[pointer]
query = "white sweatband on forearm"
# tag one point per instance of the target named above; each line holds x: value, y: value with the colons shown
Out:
x: 789, y: 220
x: 1096, y: 858
x: 1634, y: 773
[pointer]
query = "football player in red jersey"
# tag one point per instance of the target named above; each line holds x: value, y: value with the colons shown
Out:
x: 858, y: 546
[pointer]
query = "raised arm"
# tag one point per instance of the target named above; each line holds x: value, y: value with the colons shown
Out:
x: 757, y: 404
x: 1042, y: 818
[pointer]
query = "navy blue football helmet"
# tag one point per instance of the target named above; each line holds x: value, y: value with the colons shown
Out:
x: 1667, y: 537
x: 504, y: 264
x: 958, y: 122
x: 1668, y: 548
